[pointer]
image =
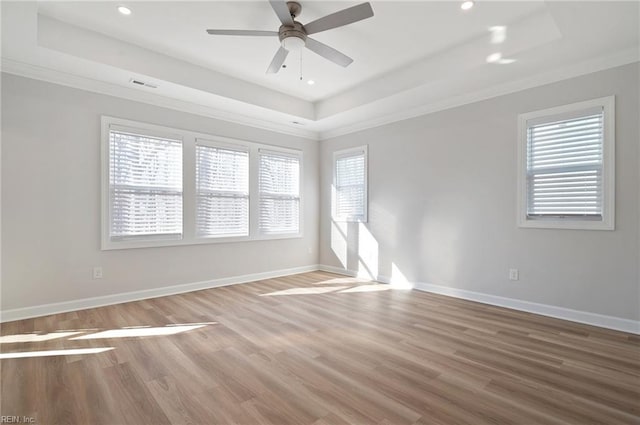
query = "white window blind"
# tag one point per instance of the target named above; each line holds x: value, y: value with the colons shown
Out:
x: 222, y: 192
x: 279, y: 188
x: 163, y: 186
x: 350, y: 186
x: 565, y: 166
x: 145, y: 186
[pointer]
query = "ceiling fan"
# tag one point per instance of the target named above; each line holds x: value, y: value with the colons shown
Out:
x: 294, y: 36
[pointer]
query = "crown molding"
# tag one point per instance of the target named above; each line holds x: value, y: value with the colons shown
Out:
x: 49, y: 75
x: 620, y: 58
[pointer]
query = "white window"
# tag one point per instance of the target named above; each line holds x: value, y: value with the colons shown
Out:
x: 350, y: 185
x: 145, y: 186
x: 566, y: 161
x: 222, y: 191
x: 279, y: 187
x: 163, y: 187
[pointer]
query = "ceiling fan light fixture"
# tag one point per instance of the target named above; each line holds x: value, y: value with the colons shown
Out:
x: 293, y: 44
x: 466, y: 5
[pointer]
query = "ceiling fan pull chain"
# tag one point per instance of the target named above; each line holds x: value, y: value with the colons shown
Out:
x: 300, y: 65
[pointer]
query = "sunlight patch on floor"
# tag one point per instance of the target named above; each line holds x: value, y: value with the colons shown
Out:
x: 49, y: 353
x: 368, y: 288
x: 358, y: 288
x: 132, y: 332
x: 35, y: 337
x: 124, y: 332
x: 342, y: 280
x: 305, y: 291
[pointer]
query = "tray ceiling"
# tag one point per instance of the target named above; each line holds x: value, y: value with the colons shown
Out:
x: 411, y: 56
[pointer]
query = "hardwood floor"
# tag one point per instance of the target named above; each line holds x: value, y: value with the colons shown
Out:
x: 317, y: 348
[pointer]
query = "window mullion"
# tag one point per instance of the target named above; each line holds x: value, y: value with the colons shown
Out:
x: 189, y: 185
x: 254, y: 193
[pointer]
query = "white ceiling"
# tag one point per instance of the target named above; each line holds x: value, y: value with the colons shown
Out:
x: 398, y: 34
x: 410, y: 57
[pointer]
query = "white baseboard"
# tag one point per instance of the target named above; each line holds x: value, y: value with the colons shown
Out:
x: 85, y: 303
x: 337, y: 270
x: 609, y: 322
x: 595, y: 319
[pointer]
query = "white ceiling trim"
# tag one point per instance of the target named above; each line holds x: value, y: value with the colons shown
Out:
x: 548, y: 40
x: 620, y: 58
x: 55, y: 37
x: 464, y: 59
x: 75, y: 81
x: 70, y: 80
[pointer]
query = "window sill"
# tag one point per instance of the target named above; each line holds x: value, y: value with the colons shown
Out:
x: 134, y: 244
x: 566, y: 224
x: 349, y: 219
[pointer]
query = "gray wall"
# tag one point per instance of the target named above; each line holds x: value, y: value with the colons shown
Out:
x: 51, y: 202
x: 442, y: 205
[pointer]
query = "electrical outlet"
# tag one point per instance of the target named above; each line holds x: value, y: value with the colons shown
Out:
x: 97, y: 272
x: 514, y: 274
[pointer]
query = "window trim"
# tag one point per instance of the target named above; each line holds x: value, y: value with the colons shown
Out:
x: 608, y: 167
x: 189, y: 140
x: 344, y: 153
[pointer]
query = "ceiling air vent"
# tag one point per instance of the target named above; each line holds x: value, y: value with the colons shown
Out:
x: 142, y: 83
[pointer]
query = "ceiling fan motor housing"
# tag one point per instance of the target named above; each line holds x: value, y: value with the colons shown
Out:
x: 297, y: 31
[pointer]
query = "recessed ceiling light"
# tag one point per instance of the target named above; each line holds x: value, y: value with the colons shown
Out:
x: 494, y: 57
x: 467, y: 5
x: 124, y: 10
x: 497, y: 58
x: 311, y: 82
x: 498, y: 34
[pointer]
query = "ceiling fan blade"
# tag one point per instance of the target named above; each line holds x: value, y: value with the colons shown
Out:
x: 242, y: 32
x: 341, y: 18
x: 328, y: 52
x: 277, y: 61
x: 282, y: 10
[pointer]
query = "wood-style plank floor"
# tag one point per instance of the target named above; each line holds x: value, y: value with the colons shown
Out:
x: 316, y: 348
